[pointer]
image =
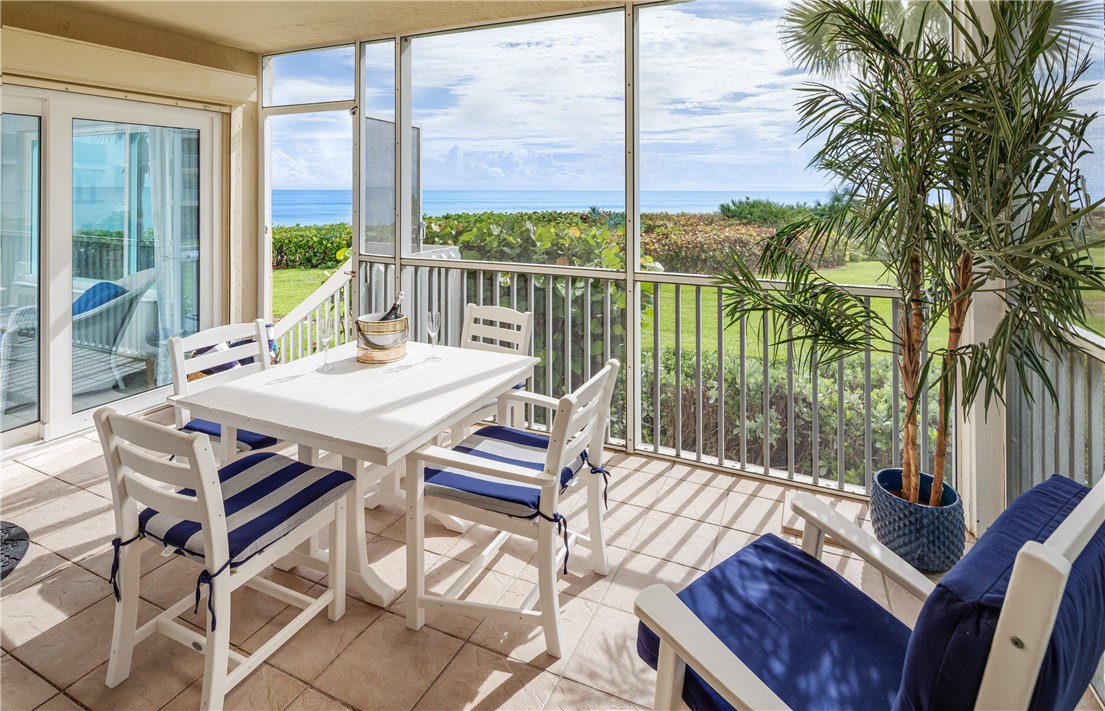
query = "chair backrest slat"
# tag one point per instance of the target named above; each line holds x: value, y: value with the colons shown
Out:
x: 497, y: 329
x: 185, y: 365
x: 580, y: 421
x: 138, y: 476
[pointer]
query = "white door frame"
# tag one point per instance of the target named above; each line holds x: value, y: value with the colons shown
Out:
x: 58, y: 110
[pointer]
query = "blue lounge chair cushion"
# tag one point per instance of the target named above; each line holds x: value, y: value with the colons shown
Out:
x: 954, y: 632
x: 265, y: 497
x: 250, y: 440
x: 97, y: 295
x: 814, y: 639
x: 497, y: 444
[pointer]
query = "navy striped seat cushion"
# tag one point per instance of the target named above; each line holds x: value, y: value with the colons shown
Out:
x: 497, y: 444
x: 251, y: 440
x: 265, y: 497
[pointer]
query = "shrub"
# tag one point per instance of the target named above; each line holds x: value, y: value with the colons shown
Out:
x: 310, y: 246
x: 765, y: 213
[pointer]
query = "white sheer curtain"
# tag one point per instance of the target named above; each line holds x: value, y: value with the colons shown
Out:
x: 165, y: 197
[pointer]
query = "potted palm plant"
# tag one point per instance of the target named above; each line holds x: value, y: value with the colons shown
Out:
x: 959, y: 172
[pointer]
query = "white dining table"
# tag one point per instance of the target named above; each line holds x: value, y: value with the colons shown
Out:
x: 366, y: 414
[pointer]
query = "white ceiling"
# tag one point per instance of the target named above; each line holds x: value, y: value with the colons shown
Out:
x: 275, y: 25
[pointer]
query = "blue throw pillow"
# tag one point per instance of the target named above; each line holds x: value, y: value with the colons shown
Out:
x: 97, y: 295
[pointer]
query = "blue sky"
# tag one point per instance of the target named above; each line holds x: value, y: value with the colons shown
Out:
x: 540, y: 106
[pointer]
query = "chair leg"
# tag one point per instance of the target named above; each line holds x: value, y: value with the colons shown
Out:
x: 217, y: 649
x: 547, y: 591
x: 126, y: 617
x: 596, y: 531
x: 336, y: 572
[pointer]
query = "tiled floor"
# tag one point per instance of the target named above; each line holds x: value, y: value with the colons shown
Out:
x: 667, y: 523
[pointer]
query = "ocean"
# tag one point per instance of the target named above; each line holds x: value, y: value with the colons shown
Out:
x: 316, y: 207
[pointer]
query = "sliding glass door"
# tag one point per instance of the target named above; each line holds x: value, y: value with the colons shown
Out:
x: 136, y: 250
x: 110, y: 236
x: 20, y: 152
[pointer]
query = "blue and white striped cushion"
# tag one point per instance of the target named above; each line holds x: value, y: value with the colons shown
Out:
x: 265, y: 497
x: 251, y: 440
x: 498, y: 444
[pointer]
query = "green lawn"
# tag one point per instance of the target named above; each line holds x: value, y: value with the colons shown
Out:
x: 291, y: 286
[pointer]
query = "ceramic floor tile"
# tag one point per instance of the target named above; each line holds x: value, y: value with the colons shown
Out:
x: 621, y: 521
x: 729, y: 541
x: 701, y: 502
x: 73, y: 508
x: 161, y: 669
x: 753, y: 514
x: 572, y: 696
x: 35, y: 609
x: 68, y: 651
x: 637, y: 571
x: 480, y: 679
x: 680, y: 540
x: 59, y: 702
x: 696, y: 475
x: 320, y: 641
x: 37, y: 564
x: 265, y: 689
x: 581, y: 579
x: 486, y: 587
x: 83, y: 539
x: 750, y: 486
x: 53, y: 458
x: 23, y: 689
x: 509, y: 560
x: 637, y: 488
x: 15, y: 476
x: 903, y: 604
x: 606, y: 658
x: 37, y: 491
x: 388, y: 667
x: 312, y: 700
x: 438, y: 538
x: 525, y: 642
x: 381, y: 518
x: 635, y: 463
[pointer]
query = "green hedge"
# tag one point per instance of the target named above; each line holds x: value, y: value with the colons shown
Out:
x: 310, y: 246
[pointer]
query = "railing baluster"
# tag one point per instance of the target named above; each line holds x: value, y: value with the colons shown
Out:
x: 678, y: 373
x: 720, y: 380
x: 790, y: 402
x: 1047, y: 462
x: 840, y: 434
x: 765, y: 336
x: 656, y: 288
x: 1062, y: 390
x: 868, y: 444
x: 568, y: 334
x: 744, y: 391
x: 1078, y: 416
x: 895, y: 388
x: 586, y: 314
x: 549, y: 310
x: 1097, y: 425
x: 815, y: 416
x: 698, y: 395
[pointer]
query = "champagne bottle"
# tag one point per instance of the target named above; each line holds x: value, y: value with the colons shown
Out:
x: 393, y: 312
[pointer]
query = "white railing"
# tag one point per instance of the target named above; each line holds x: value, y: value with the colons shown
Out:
x: 703, y: 401
x: 296, y: 334
x: 1065, y: 436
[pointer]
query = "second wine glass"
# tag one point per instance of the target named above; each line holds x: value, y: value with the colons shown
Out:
x: 326, y: 333
x: 433, y: 326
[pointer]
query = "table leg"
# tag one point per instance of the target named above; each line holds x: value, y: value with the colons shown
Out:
x: 416, y: 563
x: 367, y: 582
x: 229, y: 441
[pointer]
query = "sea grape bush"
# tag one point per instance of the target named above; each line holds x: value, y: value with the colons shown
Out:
x: 310, y: 246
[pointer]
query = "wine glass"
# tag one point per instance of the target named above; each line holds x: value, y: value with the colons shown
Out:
x: 326, y: 333
x: 433, y: 325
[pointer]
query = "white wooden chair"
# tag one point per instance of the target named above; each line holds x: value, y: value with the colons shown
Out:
x: 1018, y: 623
x: 511, y: 480
x: 235, y: 521
x: 218, y: 353
x: 486, y: 328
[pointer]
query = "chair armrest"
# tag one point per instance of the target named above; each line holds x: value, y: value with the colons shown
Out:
x: 823, y: 519
x: 526, y: 396
x: 694, y: 643
x: 449, y: 458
